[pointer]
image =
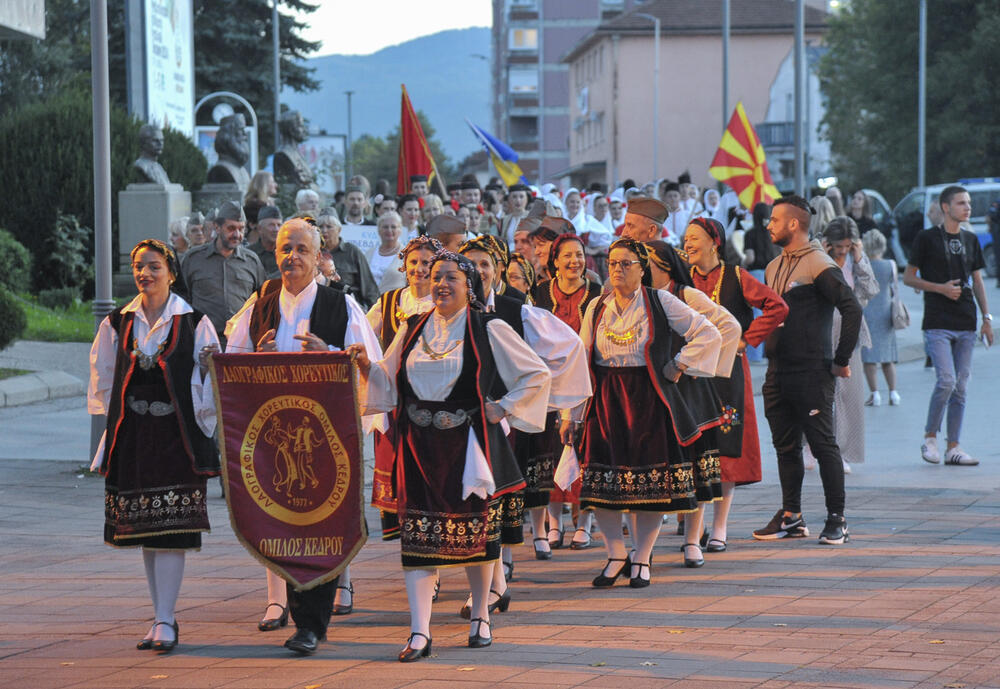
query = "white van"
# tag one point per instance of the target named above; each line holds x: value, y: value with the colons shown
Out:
x: 911, y: 213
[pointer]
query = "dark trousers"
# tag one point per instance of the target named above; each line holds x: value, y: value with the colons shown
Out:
x: 797, y: 404
x: 311, y: 609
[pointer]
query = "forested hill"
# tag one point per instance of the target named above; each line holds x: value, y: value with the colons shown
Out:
x: 442, y: 73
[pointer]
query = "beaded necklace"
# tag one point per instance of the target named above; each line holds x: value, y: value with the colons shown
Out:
x: 621, y: 339
x: 437, y: 356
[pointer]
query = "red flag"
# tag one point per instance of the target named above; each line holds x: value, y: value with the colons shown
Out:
x: 740, y: 162
x: 414, y: 154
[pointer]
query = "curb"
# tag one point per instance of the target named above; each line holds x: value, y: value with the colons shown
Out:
x: 39, y: 387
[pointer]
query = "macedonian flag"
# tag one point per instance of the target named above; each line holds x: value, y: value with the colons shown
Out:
x: 414, y: 152
x: 740, y: 162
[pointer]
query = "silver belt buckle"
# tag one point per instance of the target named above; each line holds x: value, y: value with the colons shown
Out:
x: 421, y: 417
x: 444, y: 420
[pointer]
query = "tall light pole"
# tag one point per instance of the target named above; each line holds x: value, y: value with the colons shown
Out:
x: 799, y: 59
x: 350, y: 138
x: 725, y: 64
x: 922, y: 99
x: 277, y: 70
x: 103, y: 304
x: 656, y: 92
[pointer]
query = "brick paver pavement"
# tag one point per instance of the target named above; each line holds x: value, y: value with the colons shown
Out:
x: 912, y: 602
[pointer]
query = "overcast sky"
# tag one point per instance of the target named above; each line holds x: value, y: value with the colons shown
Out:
x: 353, y: 27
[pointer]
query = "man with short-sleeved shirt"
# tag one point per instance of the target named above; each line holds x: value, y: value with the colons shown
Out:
x: 950, y: 264
x: 221, y: 275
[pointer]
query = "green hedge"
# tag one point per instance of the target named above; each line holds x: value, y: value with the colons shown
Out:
x: 47, y: 170
x: 15, y: 263
x: 13, y: 320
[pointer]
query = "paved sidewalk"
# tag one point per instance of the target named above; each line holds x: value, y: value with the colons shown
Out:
x: 912, y: 601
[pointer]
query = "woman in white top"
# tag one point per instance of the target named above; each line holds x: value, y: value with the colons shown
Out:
x: 148, y: 366
x: 640, y: 443
x: 451, y: 376
x: 384, y: 260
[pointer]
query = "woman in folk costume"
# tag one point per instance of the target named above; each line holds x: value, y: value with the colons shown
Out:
x: 296, y: 314
x: 537, y: 454
x: 642, y: 445
x: 389, y: 312
x: 148, y: 368
x: 567, y: 295
x: 520, y: 273
x: 452, y: 375
x: 738, y: 292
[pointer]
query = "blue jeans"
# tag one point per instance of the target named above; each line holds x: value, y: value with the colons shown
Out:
x: 951, y: 353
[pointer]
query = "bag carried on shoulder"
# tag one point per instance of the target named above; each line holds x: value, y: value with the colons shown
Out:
x: 899, y: 314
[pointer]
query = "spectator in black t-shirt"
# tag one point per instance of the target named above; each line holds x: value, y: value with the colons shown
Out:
x: 950, y: 263
x: 994, y: 218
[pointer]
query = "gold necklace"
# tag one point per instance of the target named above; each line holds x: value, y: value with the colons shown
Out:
x: 579, y: 306
x: 621, y: 339
x: 718, y: 283
x: 437, y: 356
x: 146, y: 361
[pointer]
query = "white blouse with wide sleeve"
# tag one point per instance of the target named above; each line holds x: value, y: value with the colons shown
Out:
x: 409, y: 305
x: 148, y: 339
x: 563, y: 352
x: 432, y: 377
x: 700, y: 354
x: 727, y: 325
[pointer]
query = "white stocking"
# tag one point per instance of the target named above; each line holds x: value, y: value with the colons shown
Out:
x: 277, y: 592
x: 583, y: 523
x: 343, y: 595
x: 148, y: 557
x: 419, y: 593
x: 614, y: 543
x: 647, y: 529
x: 554, y: 510
x: 168, y: 567
x: 720, y: 516
x: 632, y: 529
x: 537, y: 516
x: 480, y: 575
x: 498, y: 584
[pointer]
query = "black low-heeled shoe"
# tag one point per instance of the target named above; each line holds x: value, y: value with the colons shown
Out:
x: 581, y: 545
x: 167, y: 646
x: 437, y: 590
x: 477, y: 641
x: 541, y: 554
x: 693, y: 562
x: 508, y: 570
x: 269, y: 625
x: 304, y: 641
x: 716, y: 545
x: 637, y: 582
x: 410, y: 654
x: 144, y: 644
x: 558, y: 542
x: 602, y: 581
x: 344, y: 609
x: 501, y: 603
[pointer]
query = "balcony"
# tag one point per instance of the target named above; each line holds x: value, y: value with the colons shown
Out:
x: 776, y: 134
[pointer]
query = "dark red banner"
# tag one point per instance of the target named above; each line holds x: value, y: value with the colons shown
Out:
x: 290, y: 438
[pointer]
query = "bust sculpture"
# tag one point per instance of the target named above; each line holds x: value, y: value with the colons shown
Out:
x: 146, y: 169
x: 289, y: 165
x: 233, y: 147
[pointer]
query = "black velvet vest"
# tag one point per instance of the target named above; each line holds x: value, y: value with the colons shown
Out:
x: 390, y: 324
x: 177, y: 363
x: 478, y: 380
x: 508, y: 309
x: 328, y: 318
x: 731, y: 297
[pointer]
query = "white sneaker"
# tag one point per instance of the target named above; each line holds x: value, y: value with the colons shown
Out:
x: 874, y: 400
x: 929, y: 451
x: 847, y: 467
x: 959, y: 457
x: 894, y: 399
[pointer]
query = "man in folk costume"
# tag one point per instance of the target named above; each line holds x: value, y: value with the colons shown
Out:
x: 297, y: 314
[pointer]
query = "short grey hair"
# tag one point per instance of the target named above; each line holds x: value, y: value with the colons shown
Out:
x: 328, y: 215
x: 874, y: 243
x: 389, y: 215
x: 304, y: 194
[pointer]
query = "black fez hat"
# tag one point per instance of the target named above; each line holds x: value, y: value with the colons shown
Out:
x: 454, y: 186
x: 418, y: 178
x: 520, y: 187
x: 445, y: 224
x: 647, y: 208
x: 268, y: 212
x: 468, y: 184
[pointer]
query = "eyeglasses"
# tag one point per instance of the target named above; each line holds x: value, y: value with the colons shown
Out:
x: 621, y: 264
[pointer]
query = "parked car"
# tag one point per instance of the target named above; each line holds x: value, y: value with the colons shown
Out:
x: 910, y: 214
x: 886, y: 221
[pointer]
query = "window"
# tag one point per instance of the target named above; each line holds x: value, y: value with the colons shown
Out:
x: 523, y: 39
x: 523, y: 81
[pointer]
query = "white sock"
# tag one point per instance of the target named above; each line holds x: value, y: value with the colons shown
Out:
x: 480, y: 576
x: 614, y: 543
x: 554, y: 510
x: 148, y: 558
x: 647, y: 526
x: 169, y: 571
x: 419, y: 592
x: 583, y: 524
x: 343, y: 595
x: 720, y: 516
x: 632, y: 529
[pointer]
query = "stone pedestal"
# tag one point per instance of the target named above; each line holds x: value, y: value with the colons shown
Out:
x: 214, y: 195
x: 145, y: 211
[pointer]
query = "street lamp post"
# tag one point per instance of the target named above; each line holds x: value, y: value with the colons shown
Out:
x: 277, y: 71
x: 656, y: 91
x: 350, y: 137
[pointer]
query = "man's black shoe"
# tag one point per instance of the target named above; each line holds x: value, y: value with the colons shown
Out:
x: 303, y: 642
x: 835, y: 531
x: 781, y: 526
